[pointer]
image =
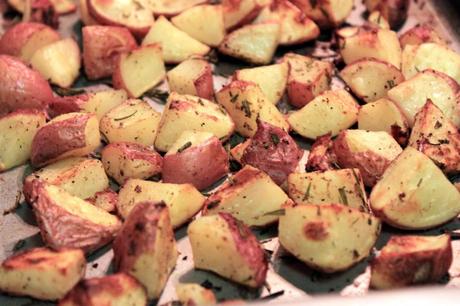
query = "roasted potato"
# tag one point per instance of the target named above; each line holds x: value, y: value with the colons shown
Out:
x: 376, y: 19
x: 205, y: 23
x: 18, y: 131
x: 101, y: 46
x: 132, y: 121
x: 106, y: 200
x: 436, y: 136
x: 411, y: 95
x: 328, y: 237
x: 227, y: 247
x: 85, y: 16
x: 395, y: 11
x: 185, y: 112
x: 123, y: 160
x: 239, y: 195
x: 307, y: 78
x: 237, y: 151
x: 146, y: 248
x: 112, y: 290
x: 343, y: 186
x: 407, y: 260
x: 197, y: 158
x: 370, y: 152
x: 271, y: 79
x: 254, y: 43
x: 413, y: 193
x: 171, y: 8
x: 327, y: 14
x: 66, y: 221
x: 21, y: 87
x: 68, y: 135
x: 177, y: 46
x: 59, y: 7
x: 240, y: 12
x: 421, y: 33
x: 245, y: 102
x: 322, y: 157
x: 192, y: 77
x: 139, y: 70
x: 42, y: 273
x: 183, y: 200
x: 371, y: 79
x: 194, y: 294
x: 330, y: 112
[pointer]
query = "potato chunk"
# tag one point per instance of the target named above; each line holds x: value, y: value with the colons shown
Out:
x: 421, y: 33
x: 240, y: 12
x: 322, y: 157
x: 328, y: 237
x: 227, y: 247
x: 407, y: 260
x: 42, y: 273
x: 395, y: 11
x: 414, y: 194
x: 194, y: 294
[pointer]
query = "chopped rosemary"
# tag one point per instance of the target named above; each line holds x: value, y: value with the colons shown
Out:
x: 279, y: 212
x: 307, y: 193
x: 275, y: 139
x: 125, y: 117
x: 343, y: 196
x: 186, y: 145
x: 246, y: 108
x: 66, y: 92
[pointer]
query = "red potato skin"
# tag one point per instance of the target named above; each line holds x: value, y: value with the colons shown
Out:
x: 101, y: 47
x: 200, y: 165
x: 69, y: 104
x: 322, y: 157
x: 111, y: 199
x: 204, y: 84
x: 21, y: 87
x: 278, y: 160
x: 60, y: 229
x: 17, y: 36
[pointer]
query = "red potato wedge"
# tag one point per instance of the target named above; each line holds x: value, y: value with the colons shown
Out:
x: 66, y: 221
x: 240, y: 12
x: 192, y: 77
x: 407, y: 260
x: 115, y: 290
x: 42, y: 273
x: 139, y: 70
x: 322, y: 157
x: 395, y: 11
x: 133, y: 15
x: 197, y: 158
x: 170, y: 8
x: 23, y: 39
x: 177, y: 46
x: 123, y: 160
x: 69, y: 135
x: 205, y: 23
x: 194, y: 294
x: 18, y: 131
x: 85, y: 16
x: 101, y: 47
x: 106, y: 200
x: 420, y: 34
x: 227, y: 247
x: 58, y: 62
x: 307, y: 78
x: 21, y: 87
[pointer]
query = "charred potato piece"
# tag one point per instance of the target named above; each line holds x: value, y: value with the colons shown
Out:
x: 241, y: 197
x: 68, y: 135
x: 42, y: 273
x: 322, y: 157
x: 414, y: 193
x: 194, y: 294
x: 420, y: 34
x: 112, y: 290
x: 183, y: 200
x: 227, y: 247
x: 395, y: 11
x: 146, y: 248
x: 407, y: 260
x: 123, y: 160
x: 240, y: 12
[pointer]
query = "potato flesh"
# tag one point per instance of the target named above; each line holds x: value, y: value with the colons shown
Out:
x: 195, y: 294
x: 380, y: 143
x: 195, y: 139
x: 102, y: 102
x: 238, y: 12
x: 168, y: 7
x: 381, y: 115
x: 38, y: 40
x: 414, y: 193
x: 183, y: 78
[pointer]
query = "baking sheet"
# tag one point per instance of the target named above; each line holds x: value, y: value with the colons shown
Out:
x: 288, y: 279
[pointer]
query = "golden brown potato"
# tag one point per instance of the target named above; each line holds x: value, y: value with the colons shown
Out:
x: 241, y: 197
x: 124, y: 160
x: 146, y: 248
x: 42, y: 273
x: 194, y: 294
x: 421, y: 33
x: 407, y: 260
x: 183, y: 200
x: 245, y: 102
x: 68, y: 135
x: 185, y: 112
x: 377, y: 20
x: 327, y: 14
x: 237, y: 151
x: 112, y: 290
x: 139, y: 70
x: 171, y: 8
x: 395, y: 11
x: 18, y: 130
x: 307, y: 78
x: 227, y: 247
x: 197, y: 158
x: 132, y: 121
x: 192, y: 77
x: 330, y: 112
x: 370, y: 152
x: 59, y: 7
x: 177, y: 46
x: 414, y: 193
x: 328, y: 237
x: 254, y: 43
x: 343, y: 186
x: 371, y: 79
x: 436, y: 136
x: 66, y: 221
x: 240, y: 12
x: 322, y: 157
x: 106, y: 200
